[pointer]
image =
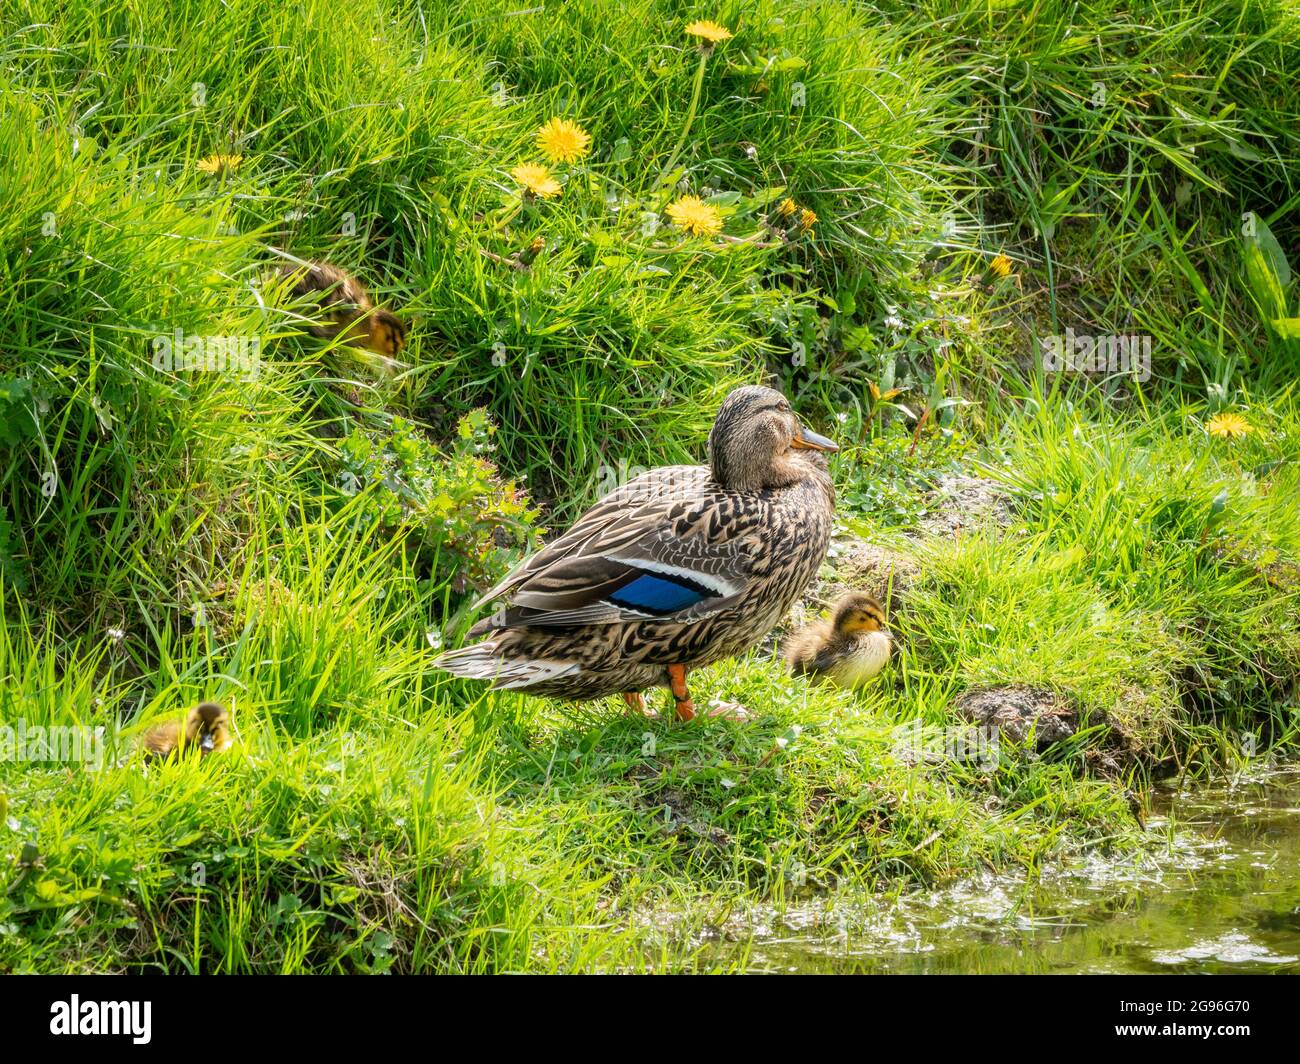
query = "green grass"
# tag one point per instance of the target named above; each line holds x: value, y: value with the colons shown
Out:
x: 301, y: 544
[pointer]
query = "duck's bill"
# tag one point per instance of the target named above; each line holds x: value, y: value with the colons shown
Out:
x: 807, y: 440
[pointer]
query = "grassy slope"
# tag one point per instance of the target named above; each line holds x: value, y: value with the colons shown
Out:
x: 376, y: 814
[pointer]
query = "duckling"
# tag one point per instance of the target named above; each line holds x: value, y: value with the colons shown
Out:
x: 522, y: 259
x: 347, y: 309
x: 849, y: 649
x: 206, y: 726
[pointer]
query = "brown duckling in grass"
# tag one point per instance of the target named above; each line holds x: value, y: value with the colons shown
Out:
x: 205, y: 727
x: 849, y: 649
x: 346, y: 310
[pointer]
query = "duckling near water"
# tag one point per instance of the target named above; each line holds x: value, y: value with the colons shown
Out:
x: 206, y: 726
x: 849, y: 649
x: 346, y: 307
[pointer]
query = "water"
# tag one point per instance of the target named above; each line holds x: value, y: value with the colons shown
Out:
x: 1226, y: 898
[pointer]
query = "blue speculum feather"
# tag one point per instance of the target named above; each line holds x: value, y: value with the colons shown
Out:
x: 659, y: 594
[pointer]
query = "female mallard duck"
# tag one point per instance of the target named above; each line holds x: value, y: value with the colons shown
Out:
x: 206, y: 727
x: 849, y: 649
x: 345, y: 307
x: 681, y: 567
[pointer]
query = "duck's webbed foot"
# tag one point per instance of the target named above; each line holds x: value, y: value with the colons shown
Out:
x: 729, y: 710
x: 677, y: 684
x: 636, y: 704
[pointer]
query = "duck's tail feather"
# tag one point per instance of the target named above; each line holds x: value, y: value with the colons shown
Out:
x: 481, y: 661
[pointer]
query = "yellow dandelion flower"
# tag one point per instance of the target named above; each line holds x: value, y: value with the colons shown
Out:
x: 1001, y: 265
x: 807, y: 219
x: 536, y: 180
x: 1229, y: 426
x: 708, y: 31
x: 563, y: 141
x: 786, y: 208
x: 215, y: 164
x: 695, y: 216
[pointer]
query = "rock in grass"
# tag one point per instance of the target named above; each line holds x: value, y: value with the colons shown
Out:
x: 962, y: 502
x: 1019, y: 711
x: 882, y: 572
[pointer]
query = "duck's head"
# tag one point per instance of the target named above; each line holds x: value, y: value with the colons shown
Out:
x: 758, y: 442
x: 387, y: 333
x: 207, y: 725
x: 857, y: 613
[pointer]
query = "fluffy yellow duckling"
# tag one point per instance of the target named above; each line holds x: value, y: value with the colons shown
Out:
x: 849, y: 649
x: 346, y: 307
x: 206, y: 726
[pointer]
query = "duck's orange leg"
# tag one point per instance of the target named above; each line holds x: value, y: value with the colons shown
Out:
x: 636, y: 703
x: 677, y: 684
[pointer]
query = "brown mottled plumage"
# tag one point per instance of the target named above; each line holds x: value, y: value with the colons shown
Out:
x: 346, y: 309
x: 679, y: 568
x: 849, y: 649
x: 205, y: 727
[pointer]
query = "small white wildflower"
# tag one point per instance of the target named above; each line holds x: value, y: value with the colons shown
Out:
x: 116, y: 634
x: 434, y: 637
